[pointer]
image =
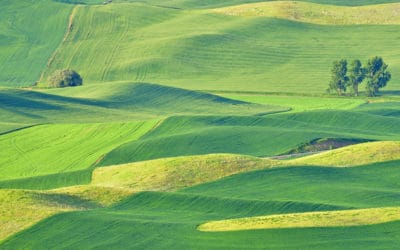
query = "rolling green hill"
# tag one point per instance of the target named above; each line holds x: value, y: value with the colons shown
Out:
x: 30, y: 32
x: 257, y: 136
x: 318, y: 13
x: 114, y: 102
x: 47, y: 150
x: 198, y: 49
x: 346, y: 218
x: 160, y: 220
x: 204, y: 50
x: 180, y: 136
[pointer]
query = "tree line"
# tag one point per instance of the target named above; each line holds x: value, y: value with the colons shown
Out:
x: 375, y: 75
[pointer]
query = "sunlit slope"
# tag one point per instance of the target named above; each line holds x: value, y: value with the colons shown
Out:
x: 47, y: 150
x: 175, y: 173
x: 347, y: 218
x: 319, y: 13
x: 30, y: 31
x: 257, y: 136
x: 372, y: 185
x: 204, y: 50
x: 20, y: 209
x: 174, y: 217
x: 354, y: 155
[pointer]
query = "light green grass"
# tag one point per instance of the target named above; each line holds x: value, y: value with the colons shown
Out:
x: 345, y: 218
x: 29, y: 34
x: 201, y: 50
x: 355, y: 155
x: 175, y: 173
x: 52, y: 149
x: 102, y: 196
x: 174, y: 217
x: 318, y: 13
x: 299, y: 103
x: 257, y: 136
x: 115, y: 102
x: 20, y: 209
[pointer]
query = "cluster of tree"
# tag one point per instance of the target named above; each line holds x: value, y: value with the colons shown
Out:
x: 65, y: 78
x: 374, y: 74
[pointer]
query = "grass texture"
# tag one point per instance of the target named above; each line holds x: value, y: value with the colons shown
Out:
x: 29, y: 34
x: 202, y: 50
x: 174, y: 217
x: 250, y: 135
x: 52, y: 149
x: 356, y: 155
x: 318, y: 13
x: 345, y: 218
x: 114, y: 103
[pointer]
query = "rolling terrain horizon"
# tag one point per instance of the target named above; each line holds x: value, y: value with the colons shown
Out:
x: 198, y: 125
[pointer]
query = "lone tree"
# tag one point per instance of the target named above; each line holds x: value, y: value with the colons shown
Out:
x: 356, y: 75
x: 65, y: 78
x: 339, y: 79
x: 377, y: 75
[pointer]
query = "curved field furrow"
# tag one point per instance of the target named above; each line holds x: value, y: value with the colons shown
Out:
x: 62, y: 148
x: 202, y: 50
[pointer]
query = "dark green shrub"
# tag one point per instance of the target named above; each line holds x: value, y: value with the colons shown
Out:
x: 65, y: 78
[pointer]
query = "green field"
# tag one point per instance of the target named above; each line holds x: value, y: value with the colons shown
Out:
x: 172, y: 219
x: 191, y: 49
x: 199, y: 49
x: 27, y: 45
x: 199, y: 125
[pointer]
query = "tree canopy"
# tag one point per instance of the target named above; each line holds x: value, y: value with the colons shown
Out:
x: 356, y: 75
x: 339, y: 79
x: 375, y: 73
x: 65, y: 78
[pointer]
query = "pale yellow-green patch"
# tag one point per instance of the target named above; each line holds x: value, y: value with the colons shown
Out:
x: 319, y: 13
x: 310, y: 219
x: 20, y: 209
x: 354, y: 155
x: 175, y: 173
x: 103, y: 196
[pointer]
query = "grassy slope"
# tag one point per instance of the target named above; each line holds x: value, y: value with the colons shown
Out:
x: 29, y: 34
x: 347, y: 218
x: 374, y: 185
x: 386, y: 108
x: 114, y: 102
x: 257, y: 136
x: 22, y: 208
x: 355, y: 155
x: 161, y: 214
x: 199, y: 50
x: 299, y: 103
x: 318, y: 13
x: 144, y: 219
x: 53, y: 149
x: 175, y: 173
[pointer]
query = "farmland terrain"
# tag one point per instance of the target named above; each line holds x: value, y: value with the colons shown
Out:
x: 199, y: 125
